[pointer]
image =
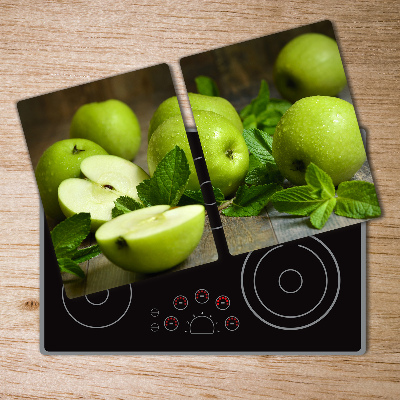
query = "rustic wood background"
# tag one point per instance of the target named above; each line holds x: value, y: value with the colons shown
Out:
x: 49, y: 45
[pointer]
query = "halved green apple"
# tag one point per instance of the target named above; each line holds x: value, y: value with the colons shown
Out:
x: 152, y: 239
x: 106, y: 178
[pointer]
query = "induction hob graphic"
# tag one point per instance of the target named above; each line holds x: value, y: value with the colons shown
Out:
x: 303, y: 297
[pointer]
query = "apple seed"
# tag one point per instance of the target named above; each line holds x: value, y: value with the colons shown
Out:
x: 121, y: 242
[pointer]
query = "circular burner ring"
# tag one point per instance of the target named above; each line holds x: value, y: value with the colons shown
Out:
x: 300, y: 326
x: 98, y: 304
x: 285, y: 272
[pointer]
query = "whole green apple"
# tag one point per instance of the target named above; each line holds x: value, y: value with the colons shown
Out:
x: 105, y: 178
x: 219, y: 105
x: 319, y: 129
x: 111, y: 124
x: 309, y: 65
x: 224, y: 149
x: 152, y: 239
x: 61, y: 161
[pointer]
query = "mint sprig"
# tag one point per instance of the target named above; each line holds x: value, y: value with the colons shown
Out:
x: 196, y: 197
x: 168, y: 182
x: 317, y: 199
x: 206, y: 86
x: 250, y: 200
x: 125, y: 204
x: 67, y: 236
x: 262, y: 173
x: 262, y: 166
x: 357, y: 199
x: 259, y: 144
x: 263, y: 112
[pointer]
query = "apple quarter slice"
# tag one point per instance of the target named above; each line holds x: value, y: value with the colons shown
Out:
x: 77, y: 195
x: 152, y: 239
x: 114, y: 172
x: 107, y: 178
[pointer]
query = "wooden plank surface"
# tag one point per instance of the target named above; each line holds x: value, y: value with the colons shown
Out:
x: 46, y: 46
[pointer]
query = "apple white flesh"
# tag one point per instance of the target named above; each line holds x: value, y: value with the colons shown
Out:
x: 80, y: 195
x: 152, y: 239
x: 107, y: 178
x: 122, y: 175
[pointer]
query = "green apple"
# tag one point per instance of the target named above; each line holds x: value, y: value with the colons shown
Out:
x: 112, y: 124
x: 106, y: 178
x: 152, y: 239
x: 309, y: 65
x: 224, y: 149
x: 219, y: 105
x: 60, y: 161
x: 322, y: 130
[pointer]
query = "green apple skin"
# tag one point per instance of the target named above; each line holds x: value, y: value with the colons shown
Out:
x: 219, y: 105
x: 152, y: 239
x: 61, y: 161
x: 112, y: 124
x: 319, y: 129
x: 224, y: 149
x: 105, y: 178
x: 309, y: 65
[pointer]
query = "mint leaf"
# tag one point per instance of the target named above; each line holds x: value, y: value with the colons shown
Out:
x: 264, y: 175
x: 125, y: 204
x: 206, y: 85
x: 246, y: 112
x: 278, y: 105
x: 196, y: 197
x: 298, y: 200
x: 257, y: 105
x: 262, y: 166
x: 86, y: 253
x: 270, y: 130
x: 263, y: 112
x: 69, y: 234
x: 269, y: 118
x: 320, y: 182
x: 357, y: 199
x: 250, y: 122
x: 319, y: 216
x: 66, y: 237
x: 259, y: 144
x: 169, y: 181
x: 67, y: 265
x: 250, y: 200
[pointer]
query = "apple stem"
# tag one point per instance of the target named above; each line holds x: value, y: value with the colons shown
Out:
x: 229, y: 154
x: 75, y: 150
x: 226, y: 204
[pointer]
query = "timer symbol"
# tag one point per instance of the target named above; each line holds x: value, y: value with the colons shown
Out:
x: 202, y: 296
